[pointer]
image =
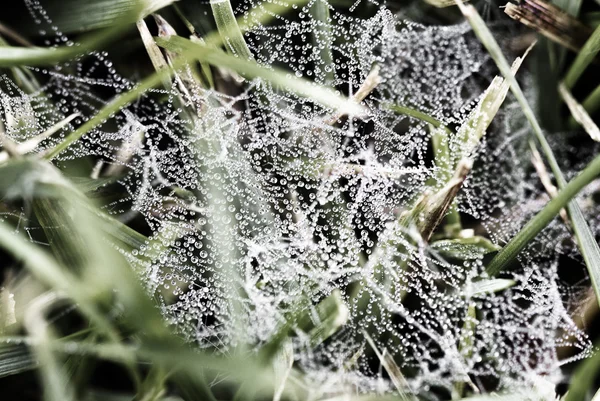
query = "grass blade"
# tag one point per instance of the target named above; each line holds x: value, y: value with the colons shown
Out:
x: 585, y: 56
x: 14, y: 359
x: 416, y: 114
x: 18, y: 56
x: 322, y: 40
x: 229, y: 30
x: 76, y: 16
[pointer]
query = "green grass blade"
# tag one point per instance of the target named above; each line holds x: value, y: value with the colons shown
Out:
x: 156, y: 57
x: 56, y: 386
x: 229, y: 30
x: 416, y: 114
x: 579, y: 113
x: 251, y: 69
x: 33, y: 56
x: 322, y: 40
x: 543, y: 218
x: 77, y: 16
x: 592, y: 103
x: 584, y: 58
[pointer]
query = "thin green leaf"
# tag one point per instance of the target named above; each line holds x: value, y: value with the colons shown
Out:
x: 416, y: 114
x: 465, y: 345
x: 282, y: 366
x: 465, y: 248
x: 76, y: 16
x: 585, y: 56
x: 332, y: 313
x: 582, y: 381
x: 229, y: 30
x: 18, y: 56
x: 392, y: 368
x: 156, y: 57
x: 579, y: 113
x: 56, y: 387
x: 323, y: 41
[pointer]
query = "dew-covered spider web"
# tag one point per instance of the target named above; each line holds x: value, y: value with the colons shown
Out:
x: 261, y: 204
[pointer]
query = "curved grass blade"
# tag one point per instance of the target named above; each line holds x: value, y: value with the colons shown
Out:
x: 416, y: 114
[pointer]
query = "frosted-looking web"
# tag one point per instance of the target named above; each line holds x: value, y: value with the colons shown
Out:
x: 267, y: 207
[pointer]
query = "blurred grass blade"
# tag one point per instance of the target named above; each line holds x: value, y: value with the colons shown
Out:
x: 465, y: 248
x: 34, y: 56
x: 584, y: 378
x: 14, y: 359
x: 282, y: 366
x: 67, y: 246
x: 56, y: 387
x: 579, y: 113
x: 585, y: 56
x: 543, y: 218
x: 251, y: 69
x: 85, y: 184
x: 465, y: 346
x: 587, y: 244
x: 229, y: 30
x: 332, y: 313
x: 76, y: 16
x: 443, y: 3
